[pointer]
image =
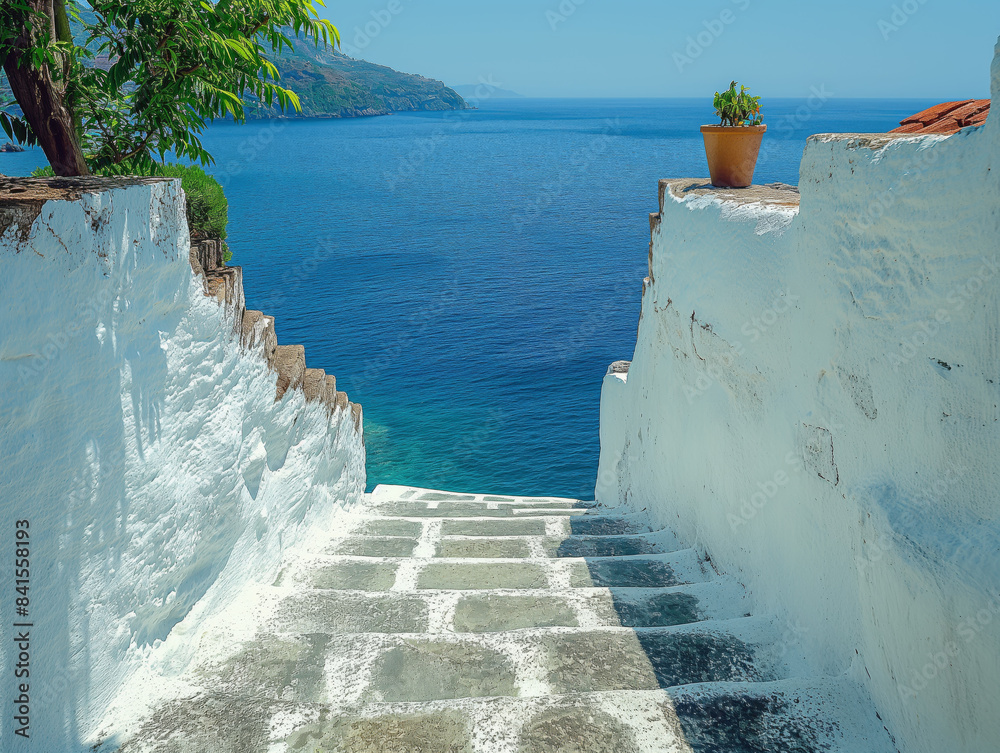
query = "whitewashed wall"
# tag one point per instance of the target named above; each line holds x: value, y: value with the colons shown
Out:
x: 813, y: 401
x: 144, y: 447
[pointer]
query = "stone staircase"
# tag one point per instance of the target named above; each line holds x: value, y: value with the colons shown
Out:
x: 257, y: 334
x: 453, y: 623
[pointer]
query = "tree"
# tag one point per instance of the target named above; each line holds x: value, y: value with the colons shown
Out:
x: 38, y: 59
x: 149, y: 75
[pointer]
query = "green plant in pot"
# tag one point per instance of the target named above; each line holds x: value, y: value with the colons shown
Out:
x: 733, y: 145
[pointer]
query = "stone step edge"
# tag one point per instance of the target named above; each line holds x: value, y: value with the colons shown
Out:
x: 740, y: 688
x: 845, y: 718
x: 357, y: 534
x: 320, y: 559
x: 503, y: 560
x: 851, y: 730
x: 521, y: 636
x: 257, y: 333
x: 383, y: 492
x: 297, y: 589
x: 815, y: 691
x: 527, y: 504
x: 808, y: 685
x: 651, y: 537
x: 718, y: 626
x: 559, y: 513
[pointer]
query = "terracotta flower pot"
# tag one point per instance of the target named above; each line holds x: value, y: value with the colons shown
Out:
x: 732, y: 153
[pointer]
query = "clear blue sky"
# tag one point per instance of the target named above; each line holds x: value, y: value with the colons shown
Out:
x: 643, y: 48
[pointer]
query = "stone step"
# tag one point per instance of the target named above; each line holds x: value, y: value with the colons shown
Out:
x: 367, y: 573
x: 514, y: 524
x: 461, y: 509
x: 392, y: 527
x: 374, y: 546
x: 610, y: 525
x: 467, y: 623
x: 577, y: 547
x: 524, y: 527
x: 777, y: 717
x: 521, y: 546
x: 660, y: 542
x: 553, y: 527
x: 387, y: 493
x: 329, y: 611
x: 351, y: 670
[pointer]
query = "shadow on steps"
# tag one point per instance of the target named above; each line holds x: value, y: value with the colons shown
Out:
x: 689, y: 665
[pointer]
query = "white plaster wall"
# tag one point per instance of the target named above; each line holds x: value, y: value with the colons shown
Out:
x: 146, y: 450
x: 788, y: 410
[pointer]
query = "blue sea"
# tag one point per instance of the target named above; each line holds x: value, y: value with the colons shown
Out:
x: 468, y: 276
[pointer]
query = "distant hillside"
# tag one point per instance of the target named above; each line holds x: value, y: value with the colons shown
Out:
x: 486, y: 92
x: 332, y: 85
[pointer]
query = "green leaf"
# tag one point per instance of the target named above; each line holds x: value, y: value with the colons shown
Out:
x: 737, y: 108
x: 175, y: 65
x: 6, y: 124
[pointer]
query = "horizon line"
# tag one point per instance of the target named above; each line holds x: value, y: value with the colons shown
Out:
x: 937, y: 98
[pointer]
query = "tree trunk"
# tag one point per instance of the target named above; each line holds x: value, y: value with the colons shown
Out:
x: 42, y: 95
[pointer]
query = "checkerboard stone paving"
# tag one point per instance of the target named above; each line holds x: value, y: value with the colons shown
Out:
x: 469, y: 623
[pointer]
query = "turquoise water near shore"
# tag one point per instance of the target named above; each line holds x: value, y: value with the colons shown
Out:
x: 468, y: 276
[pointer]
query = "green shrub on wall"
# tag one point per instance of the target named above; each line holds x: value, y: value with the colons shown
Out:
x: 207, y: 206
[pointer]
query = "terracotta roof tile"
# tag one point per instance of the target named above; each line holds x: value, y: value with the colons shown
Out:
x: 947, y: 118
x: 946, y: 127
x: 968, y: 110
x: 979, y: 118
x: 934, y: 114
x: 966, y: 114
